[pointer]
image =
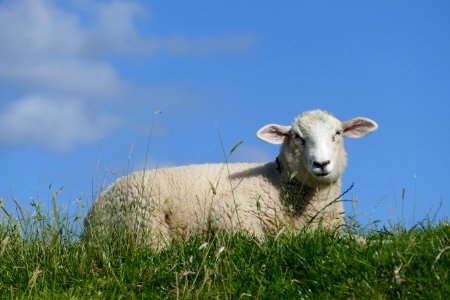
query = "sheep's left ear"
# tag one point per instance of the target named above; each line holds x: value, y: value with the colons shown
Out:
x: 358, y: 127
x: 273, y: 134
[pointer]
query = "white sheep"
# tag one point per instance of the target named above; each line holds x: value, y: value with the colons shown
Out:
x: 302, y: 188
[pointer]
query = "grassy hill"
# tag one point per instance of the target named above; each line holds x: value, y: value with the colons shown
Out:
x: 41, y: 257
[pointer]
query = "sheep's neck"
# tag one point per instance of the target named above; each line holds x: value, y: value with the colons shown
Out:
x: 298, y: 199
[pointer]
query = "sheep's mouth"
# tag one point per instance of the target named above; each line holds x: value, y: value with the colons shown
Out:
x: 325, y: 174
x: 321, y: 174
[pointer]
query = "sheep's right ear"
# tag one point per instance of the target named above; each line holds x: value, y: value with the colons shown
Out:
x: 273, y: 134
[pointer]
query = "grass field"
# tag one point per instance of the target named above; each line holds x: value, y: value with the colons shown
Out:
x: 41, y: 257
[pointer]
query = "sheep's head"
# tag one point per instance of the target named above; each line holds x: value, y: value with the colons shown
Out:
x: 313, y: 146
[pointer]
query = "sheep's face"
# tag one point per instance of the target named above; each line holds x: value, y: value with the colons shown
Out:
x: 317, y: 145
x: 313, y: 146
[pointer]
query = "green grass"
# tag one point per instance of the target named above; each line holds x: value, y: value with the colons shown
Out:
x: 41, y: 257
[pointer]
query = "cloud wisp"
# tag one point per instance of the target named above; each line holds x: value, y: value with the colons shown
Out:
x: 56, y: 51
x: 51, y: 123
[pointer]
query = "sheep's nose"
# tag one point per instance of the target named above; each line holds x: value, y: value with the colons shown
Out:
x: 321, y: 164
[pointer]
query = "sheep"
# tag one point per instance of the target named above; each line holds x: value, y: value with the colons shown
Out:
x: 301, y: 189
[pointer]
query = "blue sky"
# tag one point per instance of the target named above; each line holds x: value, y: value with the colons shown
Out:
x: 80, y: 82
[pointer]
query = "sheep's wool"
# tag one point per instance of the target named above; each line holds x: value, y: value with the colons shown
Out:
x: 301, y: 191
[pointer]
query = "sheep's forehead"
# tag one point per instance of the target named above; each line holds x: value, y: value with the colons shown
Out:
x: 317, y: 123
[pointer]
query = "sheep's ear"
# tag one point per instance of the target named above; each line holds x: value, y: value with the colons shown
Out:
x: 273, y: 134
x: 358, y: 127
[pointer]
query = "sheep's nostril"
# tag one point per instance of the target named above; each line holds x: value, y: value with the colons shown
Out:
x: 321, y: 164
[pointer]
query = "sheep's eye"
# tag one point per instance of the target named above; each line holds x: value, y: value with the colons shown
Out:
x: 299, y: 138
x: 334, y: 136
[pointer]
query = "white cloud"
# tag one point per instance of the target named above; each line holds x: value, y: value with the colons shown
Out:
x: 45, y: 47
x: 37, y: 30
x: 52, y: 123
x: 62, y: 50
x: 92, y: 80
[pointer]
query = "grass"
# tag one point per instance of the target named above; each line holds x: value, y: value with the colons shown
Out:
x: 41, y: 256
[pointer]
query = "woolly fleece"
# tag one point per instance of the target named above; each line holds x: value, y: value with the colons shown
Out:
x: 157, y: 206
